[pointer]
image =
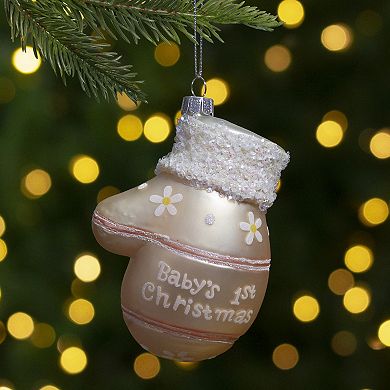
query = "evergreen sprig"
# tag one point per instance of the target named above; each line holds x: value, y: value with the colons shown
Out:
x: 71, y: 34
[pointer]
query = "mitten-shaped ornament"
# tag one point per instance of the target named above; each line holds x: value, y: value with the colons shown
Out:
x: 197, y: 237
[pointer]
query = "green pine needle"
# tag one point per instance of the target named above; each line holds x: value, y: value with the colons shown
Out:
x: 58, y: 31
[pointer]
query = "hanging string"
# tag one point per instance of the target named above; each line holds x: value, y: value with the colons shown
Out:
x: 198, y: 56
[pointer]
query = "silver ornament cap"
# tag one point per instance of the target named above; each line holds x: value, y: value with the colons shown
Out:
x: 197, y: 105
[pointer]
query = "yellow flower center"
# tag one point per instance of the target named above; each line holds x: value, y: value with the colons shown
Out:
x: 166, y: 201
x: 253, y: 228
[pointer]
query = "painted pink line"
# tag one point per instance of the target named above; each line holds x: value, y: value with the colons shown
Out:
x: 199, y: 254
x: 180, y: 331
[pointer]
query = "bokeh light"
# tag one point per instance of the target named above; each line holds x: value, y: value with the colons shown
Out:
x: 369, y: 22
x: 380, y: 144
x: 329, y: 134
x: 373, y: 212
x: 291, y: 12
x: 337, y: 37
x: 66, y: 341
x: 130, y: 127
x: 306, y: 308
x: 43, y: 336
x: 87, y: 268
x: 7, y: 90
x: 285, y: 356
x: 147, y: 366
x: 384, y: 333
x: 157, y: 128
x: 2, y: 226
x: 36, y: 183
x: 277, y: 58
x: 356, y: 300
x: 25, y: 62
x: 81, y: 311
x: 177, y: 117
x: 344, y: 343
x: 73, y: 360
x: 106, y: 192
x: 338, y: 117
x: 3, y: 332
x: 84, y: 169
x: 3, y: 250
x: 125, y: 103
x: 218, y: 90
x: 20, y: 325
x: 340, y: 281
x: 167, y: 53
x: 49, y: 387
x: 187, y: 365
x: 359, y: 258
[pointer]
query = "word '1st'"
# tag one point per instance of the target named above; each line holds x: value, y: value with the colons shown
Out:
x: 246, y: 292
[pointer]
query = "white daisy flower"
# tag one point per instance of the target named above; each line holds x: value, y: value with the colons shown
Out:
x: 252, y: 227
x: 166, y: 202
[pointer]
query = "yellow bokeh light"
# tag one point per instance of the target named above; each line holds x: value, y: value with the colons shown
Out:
x: 369, y: 22
x: 157, y: 128
x: 277, y: 58
x: 2, y: 226
x: 36, y: 183
x: 3, y: 250
x: 187, y: 365
x: 66, y: 341
x: 167, y: 53
x: 373, y: 212
x: 285, y: 356
x: 130, y: 127
x: 43, y: 336
x: 291, y: 12
x: 329, y: 134
x: 73, y: 360
x: 344, y: 343
x: 106, y: 192
x: 375, y: 344
x: 87, y: 268
x: 218, y: 90
x: 306, y: 308
x: 25, y: 62
x: 337, y: 37
x: 384, y: 333
x: 20, y: 325
x: 49, y: 387
x: 356, y: 300
x: 125, y: 103
x: 3, y: 332
x: 340, y: 281
x: 146, y: 366
x: 6, y: 388
x: 84, y: 169
x: 380, y: 144
x: 81, y: 311
x: 177, y: 117
x: 338, y: 117
x: 358, y: 258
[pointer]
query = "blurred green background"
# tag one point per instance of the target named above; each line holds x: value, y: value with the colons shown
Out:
x: 331, y: 213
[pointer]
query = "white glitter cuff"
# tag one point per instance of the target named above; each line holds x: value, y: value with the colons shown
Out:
x: 214, y: 154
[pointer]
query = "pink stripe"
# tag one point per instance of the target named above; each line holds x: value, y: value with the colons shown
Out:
x: 164, y: 241
x: 179, y: 331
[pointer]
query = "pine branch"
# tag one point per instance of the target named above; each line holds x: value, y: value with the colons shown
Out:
x: 158, y: 20
x: 71, y: 52
x: 58, y: 32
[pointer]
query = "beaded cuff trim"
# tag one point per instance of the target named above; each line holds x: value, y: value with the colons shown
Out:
x: 237, y: 163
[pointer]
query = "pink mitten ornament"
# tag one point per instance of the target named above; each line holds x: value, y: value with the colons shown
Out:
x: 197, y: 237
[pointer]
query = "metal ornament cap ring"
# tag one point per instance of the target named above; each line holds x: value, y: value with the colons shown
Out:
x: 199, y: 77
